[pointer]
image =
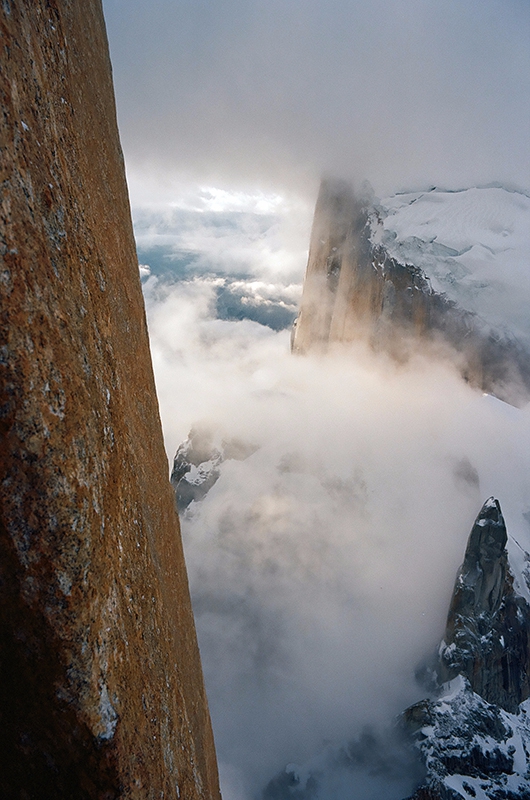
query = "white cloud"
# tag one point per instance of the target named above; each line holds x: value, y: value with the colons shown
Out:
x: 273, y: 94
x: 262, y: 235
x: 321, y: 566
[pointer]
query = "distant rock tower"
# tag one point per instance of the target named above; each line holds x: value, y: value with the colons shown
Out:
x: 474, y: 736
x: 355, y: 291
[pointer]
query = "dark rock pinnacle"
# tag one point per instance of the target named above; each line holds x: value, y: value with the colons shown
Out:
x: 487, y: 637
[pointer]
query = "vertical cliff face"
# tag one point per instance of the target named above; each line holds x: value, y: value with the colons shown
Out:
x: 335, y: 236
x: 354, y: 290
x: 101, y: 684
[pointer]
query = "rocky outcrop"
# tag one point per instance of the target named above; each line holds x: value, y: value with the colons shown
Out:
x: 101, y: 690
x: 487, y: 639
x: 197, y: 463
x: 354, y: 290
x: 470, y: 748
x: 471, y: 737
x: 474, y: 737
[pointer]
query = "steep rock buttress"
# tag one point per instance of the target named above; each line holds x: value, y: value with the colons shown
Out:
x: 101, y: 690
x: 354, y: 290
x: 470, y: 740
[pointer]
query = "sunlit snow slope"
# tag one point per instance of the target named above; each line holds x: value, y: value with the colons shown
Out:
x: 474, y: 246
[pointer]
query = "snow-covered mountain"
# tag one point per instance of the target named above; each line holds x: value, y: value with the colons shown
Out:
x: 409, y: 272
x: 448, y: 272
x: 473, y: 245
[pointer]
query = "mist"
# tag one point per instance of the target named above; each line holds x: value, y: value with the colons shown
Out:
x: 273, y: 94
x: 321, y: 566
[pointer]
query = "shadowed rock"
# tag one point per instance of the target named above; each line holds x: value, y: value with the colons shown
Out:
x: 487, y: 638
x: 474, y: 736
x: 197, y: 463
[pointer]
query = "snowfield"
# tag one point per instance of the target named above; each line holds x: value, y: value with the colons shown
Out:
x: 474, y: 246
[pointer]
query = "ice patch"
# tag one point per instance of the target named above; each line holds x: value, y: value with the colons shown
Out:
x: 108, y: 715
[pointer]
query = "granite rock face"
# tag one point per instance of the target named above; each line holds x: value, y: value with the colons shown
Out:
x: 470, y: 748
x: 487, y: 638
x: 471, y: 737
x: 101, y: 690
x: 474, y: 735
x: 354, y: 290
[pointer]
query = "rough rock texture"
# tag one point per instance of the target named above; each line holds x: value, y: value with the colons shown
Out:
x: 101, y: 690
x: 471, y: 738
x: 474, y: 737
x: 487, y: 638
x: 354, y: 290
x: 470, y: 748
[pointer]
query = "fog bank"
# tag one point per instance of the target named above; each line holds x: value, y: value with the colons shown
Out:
x: 273, y: 94
x: 321, y: 566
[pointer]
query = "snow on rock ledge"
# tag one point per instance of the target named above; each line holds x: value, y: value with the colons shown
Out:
x: 471, y: 748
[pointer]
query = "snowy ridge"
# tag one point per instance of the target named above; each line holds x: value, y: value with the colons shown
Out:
x: 438, y: 270
x: 473, y: 245
x: 471, y: 748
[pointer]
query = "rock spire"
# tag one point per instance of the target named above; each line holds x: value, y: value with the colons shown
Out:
x: 474, y: 736
x: 487, y: 639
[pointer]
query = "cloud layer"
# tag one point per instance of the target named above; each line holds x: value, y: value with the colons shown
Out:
x: 322, y: 565
x: 402, y: 93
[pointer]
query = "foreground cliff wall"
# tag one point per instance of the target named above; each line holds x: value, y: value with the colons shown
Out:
x: 101, y: 691
x: 354, y: 290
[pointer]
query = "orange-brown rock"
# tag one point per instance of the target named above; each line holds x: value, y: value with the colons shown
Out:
x: 355, y: 291
x: 101, y: 689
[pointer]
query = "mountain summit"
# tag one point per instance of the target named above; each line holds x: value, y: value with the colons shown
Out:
x: 474, y: 737
x: 403, y: 274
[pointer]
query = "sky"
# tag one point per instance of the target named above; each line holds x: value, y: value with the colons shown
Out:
x: 320, y: 566
x: 248, y: 93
